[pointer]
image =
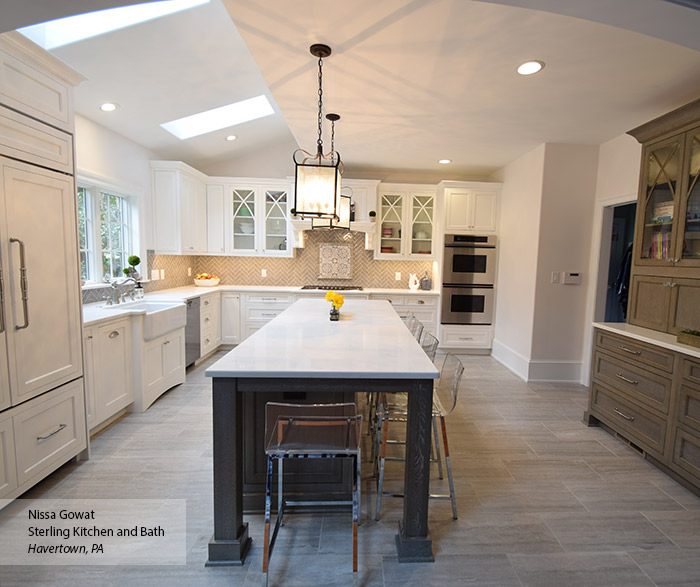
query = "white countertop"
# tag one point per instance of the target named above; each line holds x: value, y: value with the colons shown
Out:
x: 662, y: 339
x: 369, y: 340
x: 95, y: 313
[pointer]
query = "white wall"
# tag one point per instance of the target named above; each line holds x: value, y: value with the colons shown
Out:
x: 518, y: 252
x: 568, y: 190
x: 110, y: 157
x: 274, y: 160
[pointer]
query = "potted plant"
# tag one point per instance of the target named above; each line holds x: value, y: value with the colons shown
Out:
x: 372, y: 216
x: 689, y: 336
x: 130, y: 271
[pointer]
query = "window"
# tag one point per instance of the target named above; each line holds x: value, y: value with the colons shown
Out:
x: 104, y: 233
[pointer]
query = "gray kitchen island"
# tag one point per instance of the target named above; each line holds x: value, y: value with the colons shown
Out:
x: 302, y: 351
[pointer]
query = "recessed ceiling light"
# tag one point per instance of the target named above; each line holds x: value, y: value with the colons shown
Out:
x: 64, y: 31
x: 445, y: 161
x: 108, y: 107
x: 530, y: 67
x: 231, y: 138
x: 218, y: 118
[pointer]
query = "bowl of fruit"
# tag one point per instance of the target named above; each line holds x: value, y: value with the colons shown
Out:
x: 206, y: 280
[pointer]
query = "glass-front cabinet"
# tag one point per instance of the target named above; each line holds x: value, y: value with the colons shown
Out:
x: 668, y: 224
x: 407, y: 222
x: 259, y: 219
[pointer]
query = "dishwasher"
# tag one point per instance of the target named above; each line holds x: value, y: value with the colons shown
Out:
x: 193, y: 341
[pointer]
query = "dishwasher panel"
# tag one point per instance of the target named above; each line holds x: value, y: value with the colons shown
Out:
x: 193, y: 343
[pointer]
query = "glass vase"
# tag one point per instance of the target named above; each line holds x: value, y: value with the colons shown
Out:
x: 335, y: 314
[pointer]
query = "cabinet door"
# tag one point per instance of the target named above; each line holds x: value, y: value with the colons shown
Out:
x: 194, y: 214
x: 422, y: 223
x: 216, y: 219
x: 42, y: 312
x: 89, y: 357
x: 688, y: 245
x: 166, y: 212
x: 8, y: 466
x: 230, y: 319
x: 658, y: 202
x: 243, y: 211
x: 174, y: 355
x: 685, y: 305
x: 276, y: 202
x: 113, y: 382
x: 458, y: 210
x: 391, y: 228
x: 484, y: 211
x: 650, y: 298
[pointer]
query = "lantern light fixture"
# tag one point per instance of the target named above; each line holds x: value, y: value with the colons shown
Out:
x: 317, y: 177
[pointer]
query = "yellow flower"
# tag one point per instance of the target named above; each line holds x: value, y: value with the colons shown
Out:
x: 335, y: 298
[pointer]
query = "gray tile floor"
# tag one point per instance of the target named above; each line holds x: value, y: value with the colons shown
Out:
x: 543, y: 501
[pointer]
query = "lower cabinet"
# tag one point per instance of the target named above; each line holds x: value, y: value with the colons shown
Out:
x: 108, y: 369
x: 650, y: 396
x: 230, y: 318
x: 454, y: 336
x: 40, y: 435
x: 260, y: 308
x: 162, y: 367
x: 666, y: 304
x: 423, y: 306
x: 210, y: 323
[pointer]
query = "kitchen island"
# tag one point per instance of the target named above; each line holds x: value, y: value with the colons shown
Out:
x: 301, y: 350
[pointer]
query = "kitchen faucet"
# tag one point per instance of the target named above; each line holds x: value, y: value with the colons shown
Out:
x: 115, y: 289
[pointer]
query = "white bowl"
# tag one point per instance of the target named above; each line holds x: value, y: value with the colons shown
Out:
x: 207, y: 282
x: 246, y: 228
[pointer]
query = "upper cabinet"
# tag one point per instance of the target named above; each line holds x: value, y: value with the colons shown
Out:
x: 180, y: 209
x: 407, y: 227
x: 248, y: 217
x: 668, y: 228
x: 470, y: 207
x: 665, y: 284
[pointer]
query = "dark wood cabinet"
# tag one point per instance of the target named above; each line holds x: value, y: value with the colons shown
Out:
x: 665, y: 283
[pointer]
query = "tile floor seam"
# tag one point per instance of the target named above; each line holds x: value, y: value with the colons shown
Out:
x: 648, y: 519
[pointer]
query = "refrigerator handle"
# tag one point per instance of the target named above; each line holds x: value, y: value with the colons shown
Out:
x: 2, y: 303
x: 23, y: 282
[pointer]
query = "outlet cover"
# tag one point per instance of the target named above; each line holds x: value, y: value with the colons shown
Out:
x: 189, y: 272
x: 155, y: 275
x: 263, y: 272
x: 397, y: 277
x: 162, y: 273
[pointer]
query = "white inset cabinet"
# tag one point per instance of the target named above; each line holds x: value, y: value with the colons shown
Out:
x: 162, y: 367
x: 108, y: 372
x: 406, y: 222
x: 210, y: 322
x: 258, y: 218
x: 470, y: 207
x: 230, y: 318
x: 179, y: 208
x: 8, y: 466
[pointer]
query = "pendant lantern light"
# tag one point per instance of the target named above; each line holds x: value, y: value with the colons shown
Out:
x: 317, y: 177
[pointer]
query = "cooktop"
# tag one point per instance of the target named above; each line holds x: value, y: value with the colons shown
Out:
x: 334, y: 287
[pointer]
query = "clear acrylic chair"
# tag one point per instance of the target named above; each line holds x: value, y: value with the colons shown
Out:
x: 444, y: 401
x: 415, y: 326
x: 309, y: 431
x: 429, y: 344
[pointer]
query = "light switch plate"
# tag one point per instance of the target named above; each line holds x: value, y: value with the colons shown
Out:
x: 155, y: 275
x: 398, y: 276
x: 263, y: 272
x: 162, y: 273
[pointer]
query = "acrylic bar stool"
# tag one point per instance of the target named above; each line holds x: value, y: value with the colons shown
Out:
x: 309, y: 431
x: 444, y: 401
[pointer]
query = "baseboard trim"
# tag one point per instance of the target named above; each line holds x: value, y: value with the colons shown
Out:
x: 536, y: 371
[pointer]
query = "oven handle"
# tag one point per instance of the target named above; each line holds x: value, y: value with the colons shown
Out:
x: 467, y: 285
x: 469, y: 246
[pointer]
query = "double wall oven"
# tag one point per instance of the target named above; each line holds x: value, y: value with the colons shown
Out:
x: 469, y: 272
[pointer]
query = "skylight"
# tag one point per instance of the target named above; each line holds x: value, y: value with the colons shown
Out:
x: 64, y: 31
x: 222, y: 117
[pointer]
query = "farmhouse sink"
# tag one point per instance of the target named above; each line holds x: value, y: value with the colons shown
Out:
x: 159, y: 318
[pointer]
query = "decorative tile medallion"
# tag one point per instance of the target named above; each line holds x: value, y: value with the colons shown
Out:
x: 335, y: 262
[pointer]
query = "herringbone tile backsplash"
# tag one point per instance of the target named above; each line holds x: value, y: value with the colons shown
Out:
x: 302, y: 269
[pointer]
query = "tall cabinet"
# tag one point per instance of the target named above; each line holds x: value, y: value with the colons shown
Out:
x: 42, y: 422
x: 665, y: 282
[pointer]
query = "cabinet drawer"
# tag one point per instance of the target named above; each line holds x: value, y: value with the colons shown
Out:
x: 209, y: 341
x: 49, y: 431
x: 8, y: 468
x: 393, y: 300
x: 691, y: 370
x: 630, y: 380
x: 207, y: 319
x: 465, y: 337
x: 281, y: 300
x: 263, y: 314
x: 689, y: 407
x: 209, y: 302
x: 418, y: 302
x: 645, y: 428
x: 686, y: 453
x: 28, y: 140
x: 637, y: 351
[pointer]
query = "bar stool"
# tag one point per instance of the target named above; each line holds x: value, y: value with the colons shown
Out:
x: 415, y: 326
x: 309, y: 431
x: 429, y: 343
x: 444, y: 401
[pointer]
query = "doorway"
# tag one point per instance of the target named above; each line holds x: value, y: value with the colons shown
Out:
x: 620, y: 262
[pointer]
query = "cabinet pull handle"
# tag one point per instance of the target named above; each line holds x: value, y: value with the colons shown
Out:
x: 672, y: 284
x: 206, y: 319
x: 621, y: 376
x: 50, y: 434
x: 2, y: 303
x: 269, y: 299
x: 166, y: 342
x: 89, y: 337
x: 625, y: 416
x: 113, y: 334
x: 23, y: 282
x: 206, y: 302
x: 466, y: 338
x: 268, y: 315
x: 421, y: 302
x: 624, y: 348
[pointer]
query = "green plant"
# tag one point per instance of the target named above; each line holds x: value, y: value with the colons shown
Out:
x: 372, y: 213
x: 134, y: 260
x: 691, y: 331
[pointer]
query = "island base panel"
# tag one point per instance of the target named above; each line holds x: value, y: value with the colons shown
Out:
x: 226, y: 553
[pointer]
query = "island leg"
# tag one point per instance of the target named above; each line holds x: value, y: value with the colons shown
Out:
x: 230, y: 542
x: 413, y: 543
